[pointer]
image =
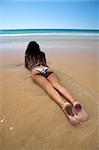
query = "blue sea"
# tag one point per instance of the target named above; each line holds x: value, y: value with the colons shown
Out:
x: 21, y: 37
x: 46, y: 31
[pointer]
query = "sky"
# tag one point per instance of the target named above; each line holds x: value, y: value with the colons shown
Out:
x: 56, y: 14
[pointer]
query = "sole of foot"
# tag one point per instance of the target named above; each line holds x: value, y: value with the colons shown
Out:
x: 68, y: 110
x: 81, y: 114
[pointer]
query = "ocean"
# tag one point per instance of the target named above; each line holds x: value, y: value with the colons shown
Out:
x: 46, y: 31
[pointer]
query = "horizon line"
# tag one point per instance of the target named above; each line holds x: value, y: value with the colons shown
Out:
x: 51, y: 29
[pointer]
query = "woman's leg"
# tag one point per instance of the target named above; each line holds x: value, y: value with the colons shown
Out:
x: 82, y: 115
x: 67, y: 107
x: 52, y: 78
x: 44, y: 83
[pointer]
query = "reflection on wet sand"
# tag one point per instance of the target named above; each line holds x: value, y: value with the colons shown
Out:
x: 30, y: 120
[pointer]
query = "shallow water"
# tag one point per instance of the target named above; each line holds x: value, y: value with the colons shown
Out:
x: 29, y: 119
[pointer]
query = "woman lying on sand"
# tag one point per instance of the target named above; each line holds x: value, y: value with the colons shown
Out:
x: 35, y: 61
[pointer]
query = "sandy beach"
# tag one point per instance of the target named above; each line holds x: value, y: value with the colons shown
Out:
x: 29, y: 119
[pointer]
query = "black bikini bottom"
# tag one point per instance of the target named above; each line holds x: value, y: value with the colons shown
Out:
x: 46, y: 74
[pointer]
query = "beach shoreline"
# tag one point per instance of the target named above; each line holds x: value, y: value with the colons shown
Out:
x: 27, y: 109
x: 85, y: 48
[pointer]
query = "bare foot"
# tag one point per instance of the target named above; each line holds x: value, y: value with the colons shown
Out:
x: 81, y: 114
x: 69, y: 113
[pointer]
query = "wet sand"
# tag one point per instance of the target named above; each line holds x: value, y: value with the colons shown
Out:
x: 29, y: 119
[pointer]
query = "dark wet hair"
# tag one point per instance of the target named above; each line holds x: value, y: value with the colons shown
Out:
x: 33, y: 55
x: 32, y: 49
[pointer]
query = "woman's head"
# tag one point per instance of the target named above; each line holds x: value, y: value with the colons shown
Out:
x: 32, y: 48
